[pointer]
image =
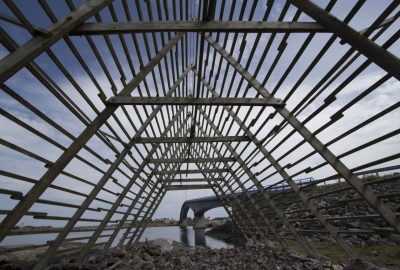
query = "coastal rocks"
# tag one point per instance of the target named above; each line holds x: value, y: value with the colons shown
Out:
x: 6, y: 264
x: 164, y: 244
x: 24, y: 259
x: 252, y: 256
x: 228, y: 233
x: 345, y: 209
x: 358, y: 264
x: 395, y: 238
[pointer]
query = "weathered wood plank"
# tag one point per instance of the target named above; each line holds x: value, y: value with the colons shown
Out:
x: 196, y: 26
x: 124, y: 100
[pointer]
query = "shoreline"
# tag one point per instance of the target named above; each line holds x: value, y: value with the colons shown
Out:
x: 384, y: 255
x: 164, y: 253
x: 167, y: 254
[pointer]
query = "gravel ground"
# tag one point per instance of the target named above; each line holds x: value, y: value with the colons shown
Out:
x: 166, y: 254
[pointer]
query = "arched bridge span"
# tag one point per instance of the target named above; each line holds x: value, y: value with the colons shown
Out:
x: 199, y: 207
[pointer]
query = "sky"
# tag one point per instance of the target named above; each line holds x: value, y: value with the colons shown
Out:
x: 28, y: 87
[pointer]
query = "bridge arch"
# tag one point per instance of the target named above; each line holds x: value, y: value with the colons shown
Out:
x: 199, y: 207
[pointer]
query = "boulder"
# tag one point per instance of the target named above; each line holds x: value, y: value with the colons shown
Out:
x: 395, y: 238
x: 164, y: 244
x: 356, y: 264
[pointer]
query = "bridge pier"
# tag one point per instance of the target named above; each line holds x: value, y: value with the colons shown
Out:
x: 184, y: 223
x: 199, y: 221
x: 200, y: 237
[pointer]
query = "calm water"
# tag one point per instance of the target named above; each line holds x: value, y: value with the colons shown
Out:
x: 187, y: 236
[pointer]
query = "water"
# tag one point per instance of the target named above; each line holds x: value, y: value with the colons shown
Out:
x: 188, y: 236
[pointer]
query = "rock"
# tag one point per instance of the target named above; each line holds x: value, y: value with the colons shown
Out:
x: 72, y: 266
x: 373, y: 240
x: 337, y: 267
x: 322, y: 204
x: 9, y: 267
x: 257, y: 255
x: 395, y: 238
x: 270, y: 244
x: 147, y: 257
x: 374, y: 253
x: 118, y: 252
x: 135, y: 260
x: 324, y: 238
x: 178, y: 261
x: 178, y: 246
x: 124, y: 267
x: 4, y: 260
x: 298, y: 256
x: 92, y: 259
x: 356, y: 264
x: 250, y: 242
x: 154, y: 250
x: 354, y: 224
x: 164, y: 244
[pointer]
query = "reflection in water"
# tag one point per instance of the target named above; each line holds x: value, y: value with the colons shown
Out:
x: 200, y: 237
x: 184, y: 236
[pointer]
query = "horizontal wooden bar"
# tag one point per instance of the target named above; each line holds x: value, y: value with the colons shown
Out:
x: 43, y: 230
x: 188, y: 187
x: 24, y: 54
x: 48, y: 217
x: 191, y: 140
x: 349, y: 232
x: 196, y: 26
x: 212, y: 101
x: 356, y: 217
x: 191, y: 180
x: 79, y: 238
x: 6, y: 212
x: 192, y: 160
x: 191, y: 171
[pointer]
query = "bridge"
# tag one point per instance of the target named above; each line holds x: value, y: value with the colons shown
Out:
x: 107, y: 106
x: 201, y: 205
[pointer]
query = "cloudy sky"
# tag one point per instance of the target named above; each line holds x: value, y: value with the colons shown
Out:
x: 27, y: 86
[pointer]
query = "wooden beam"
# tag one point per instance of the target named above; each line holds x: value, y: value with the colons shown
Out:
x: 121, y: 197
x: 124, y: 100
x: 301, y: 194
x: 196, y: 26
x: 383, y: 58
x: 262, y: 191
x: 12, y: 20
x: 45, y: 181
x: 191, y: 171
x: 191, y: 140
x: 13, y: 62
x: 191, y: 160
x: 367, y: 193
x: 187, y: 187
x: 191, y: 180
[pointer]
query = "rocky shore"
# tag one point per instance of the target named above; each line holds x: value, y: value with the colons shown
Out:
x: 343, y: 207
x: 228, y: 233
x: 167, y: 254
x: 348, y: 213
x: 381, y: 247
